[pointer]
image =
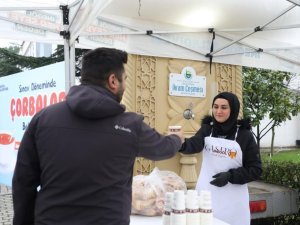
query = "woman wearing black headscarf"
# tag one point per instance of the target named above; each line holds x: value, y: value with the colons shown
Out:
x: 231, y: 159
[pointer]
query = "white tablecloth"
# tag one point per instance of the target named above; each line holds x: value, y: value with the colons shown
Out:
x: 157, y: 220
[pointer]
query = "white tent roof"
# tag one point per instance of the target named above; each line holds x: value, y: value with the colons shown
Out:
x: 256, y: 33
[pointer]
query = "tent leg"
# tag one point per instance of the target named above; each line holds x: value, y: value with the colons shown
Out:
x: 69, y: 51
x: 67, y: 65
x: 72, y: 65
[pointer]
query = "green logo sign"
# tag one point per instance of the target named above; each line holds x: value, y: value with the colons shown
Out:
x: 188, y: 74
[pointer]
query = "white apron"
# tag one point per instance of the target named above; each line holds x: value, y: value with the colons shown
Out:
x: 230, y: 203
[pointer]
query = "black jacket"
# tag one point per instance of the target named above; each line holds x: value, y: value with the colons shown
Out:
x: 251, y: 169
x: 81, y: 153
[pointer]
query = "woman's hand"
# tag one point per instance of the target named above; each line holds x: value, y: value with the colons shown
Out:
x: 221, y: 179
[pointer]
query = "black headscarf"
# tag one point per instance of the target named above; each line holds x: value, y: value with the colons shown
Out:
x: 230, y: 125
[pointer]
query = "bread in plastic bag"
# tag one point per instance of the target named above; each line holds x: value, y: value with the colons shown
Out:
x: 148, y: 191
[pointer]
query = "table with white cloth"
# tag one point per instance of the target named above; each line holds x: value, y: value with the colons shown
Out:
x: 157, y: 220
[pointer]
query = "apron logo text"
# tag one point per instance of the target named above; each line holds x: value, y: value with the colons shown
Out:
x: 221, y: 151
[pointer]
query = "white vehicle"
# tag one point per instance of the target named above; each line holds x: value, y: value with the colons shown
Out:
x: 269, y: 200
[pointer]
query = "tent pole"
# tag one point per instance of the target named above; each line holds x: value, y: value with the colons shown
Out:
x: 66, y: 35
x: 254, y: 31
x: 283, y: 58
x: 27, y: 8
x: 76, y: 13
x: 144, y: 32
x: 72, y: 65
x: 265, y: 52
x: 150, y: 33
x: 238, y: 42
x: 90, y: 11
x: 296, y: 2
x: 67, y: 65
x: 69, y: 51
x: 74, y: 3
x: 257, y: 50
x: 31, y: 25
x: 174, y: 43
x: 283, y: 27
x: 253, y: 47
x: 279, y: 15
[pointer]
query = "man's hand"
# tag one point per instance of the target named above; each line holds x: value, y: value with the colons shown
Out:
x: 221, y: 179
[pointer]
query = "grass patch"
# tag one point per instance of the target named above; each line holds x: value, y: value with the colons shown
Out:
x: 284, y: 155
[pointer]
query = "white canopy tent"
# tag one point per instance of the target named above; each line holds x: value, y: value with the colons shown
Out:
x: 255, y: 33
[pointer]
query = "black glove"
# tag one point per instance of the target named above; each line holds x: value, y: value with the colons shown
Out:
x: 221, y: 179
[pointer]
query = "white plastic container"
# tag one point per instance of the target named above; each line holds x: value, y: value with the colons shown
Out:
x: 168, y: 208
x: 178, y: 215
x: 192, y: 208
x: 205, y: 208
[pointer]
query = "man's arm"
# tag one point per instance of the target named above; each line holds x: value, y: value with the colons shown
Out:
x: 195, y: 143
x: 152, y: 145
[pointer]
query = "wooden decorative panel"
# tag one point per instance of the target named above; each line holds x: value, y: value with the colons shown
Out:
x: 145, y: 102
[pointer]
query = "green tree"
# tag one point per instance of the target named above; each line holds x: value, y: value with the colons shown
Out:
x: 266, y: 93
x: 254, y: 98
x: 5, y: 67
x: 11, y: 62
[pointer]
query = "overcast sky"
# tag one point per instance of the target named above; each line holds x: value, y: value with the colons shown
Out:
x: 6, y: 43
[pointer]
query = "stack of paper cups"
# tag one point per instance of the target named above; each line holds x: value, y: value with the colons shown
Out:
x: 178, y: 216
x: 168, y: 208
x: 192, y: 208
x: 205, y: 208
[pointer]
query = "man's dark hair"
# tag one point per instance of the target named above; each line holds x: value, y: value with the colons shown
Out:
x: 99, y: 63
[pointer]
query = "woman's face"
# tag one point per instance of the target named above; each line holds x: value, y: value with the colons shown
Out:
x: 221, y: 110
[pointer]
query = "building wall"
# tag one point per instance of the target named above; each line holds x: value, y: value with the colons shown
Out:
x: 285, y: 135
x: 37, y: 49
x: 43, y: 50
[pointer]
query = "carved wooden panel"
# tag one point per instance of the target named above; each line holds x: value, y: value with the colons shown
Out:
x: 145, y: 102
x: 130, y: 95
x: 225, y: 77
x: 145, y: 86
x: 177, y: 105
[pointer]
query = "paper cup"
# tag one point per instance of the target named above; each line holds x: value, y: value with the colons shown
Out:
x: 175, y: 128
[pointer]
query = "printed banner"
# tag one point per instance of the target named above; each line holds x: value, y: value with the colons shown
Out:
x: 22, y: 96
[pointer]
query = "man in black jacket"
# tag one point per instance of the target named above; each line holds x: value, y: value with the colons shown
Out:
x: 81, y: 152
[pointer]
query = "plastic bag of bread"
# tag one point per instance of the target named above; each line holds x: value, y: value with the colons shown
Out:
x: 148, y: 191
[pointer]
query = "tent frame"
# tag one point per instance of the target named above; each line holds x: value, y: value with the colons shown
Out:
x: 74, y: 27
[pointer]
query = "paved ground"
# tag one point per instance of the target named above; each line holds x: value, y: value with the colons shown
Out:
x: 6, y: 209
